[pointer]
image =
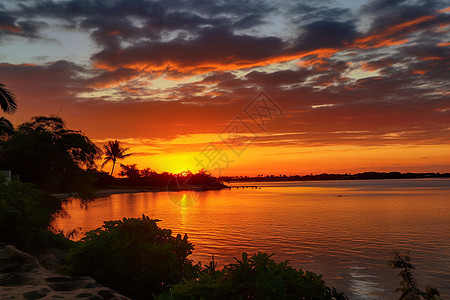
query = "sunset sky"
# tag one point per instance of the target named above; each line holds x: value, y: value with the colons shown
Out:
x: 349, y: 86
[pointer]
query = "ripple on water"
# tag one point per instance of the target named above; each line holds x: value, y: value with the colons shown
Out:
x: 348, y: 239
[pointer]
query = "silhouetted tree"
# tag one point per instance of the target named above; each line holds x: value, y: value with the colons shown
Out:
x: 147, y: 172
x: 113, y: 152
x: 7, y: 100
x: 131, y: 171
x: 6, y: 129
x: 43, y: 151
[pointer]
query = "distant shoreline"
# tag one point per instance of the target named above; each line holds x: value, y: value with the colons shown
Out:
x: 99, y: 193
x: 324, y: 177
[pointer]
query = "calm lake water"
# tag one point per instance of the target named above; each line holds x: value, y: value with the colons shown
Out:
x: 345, y: 230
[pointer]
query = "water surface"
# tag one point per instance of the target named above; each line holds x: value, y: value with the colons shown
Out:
x: 345, y: 230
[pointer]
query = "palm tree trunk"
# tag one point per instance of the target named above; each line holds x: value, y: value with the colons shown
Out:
x: 114, y: 163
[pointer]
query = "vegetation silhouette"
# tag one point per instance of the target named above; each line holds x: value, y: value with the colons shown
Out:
x: 7, y: 99
x: 130, y: 171
x: 9, y: 105
x: 257, y: 277
x: 6, y: 130
x: 26, y: 214
x: 113, y: 152
x: 325, y: 176
x: 150, y: 179
x: 45, y: 152
x: 137, y: 258
x: 408, y: 285
x: 134, y: 256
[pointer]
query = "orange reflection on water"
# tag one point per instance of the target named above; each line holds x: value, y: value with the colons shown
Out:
x: 346, y: 230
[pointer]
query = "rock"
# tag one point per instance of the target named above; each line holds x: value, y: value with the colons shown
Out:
x: 52, y: 259
x: 36, y: 294
x: 106, y: 294
x: 23, y: 277
x: 83, y: 295
x: 49, y: 261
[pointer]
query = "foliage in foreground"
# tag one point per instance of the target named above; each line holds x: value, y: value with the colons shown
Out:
x: 257, y: 277
x: 409, y: 288
x: 133, y: 256
x: 25, y: 216
x: 138, y: 259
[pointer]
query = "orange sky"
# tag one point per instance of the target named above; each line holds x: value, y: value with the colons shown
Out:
x: 347, y: 87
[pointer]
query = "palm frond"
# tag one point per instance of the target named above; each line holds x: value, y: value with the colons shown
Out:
x: 7, y: 100
x: 113, y: 151
x: 107, y: 160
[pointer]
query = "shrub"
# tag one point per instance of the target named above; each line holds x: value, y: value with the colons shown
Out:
x: 133, y: 256
x: 25, y: 216
x: 259, y: 277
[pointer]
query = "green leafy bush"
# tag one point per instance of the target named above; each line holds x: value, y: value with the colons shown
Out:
x: 25, y: 216
x: 259, y: 277
x: 132, y: 256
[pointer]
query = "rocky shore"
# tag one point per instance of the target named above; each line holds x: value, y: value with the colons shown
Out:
x: 23, y: 277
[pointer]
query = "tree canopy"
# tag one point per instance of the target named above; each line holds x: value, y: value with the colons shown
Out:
x: 6, y: 129
x: 113, y: 152
x: 43, y: 151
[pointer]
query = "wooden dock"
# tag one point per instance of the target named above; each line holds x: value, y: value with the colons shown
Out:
x: 246, y: 187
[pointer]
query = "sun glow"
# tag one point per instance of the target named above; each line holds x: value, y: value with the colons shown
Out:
x: 171, y: 162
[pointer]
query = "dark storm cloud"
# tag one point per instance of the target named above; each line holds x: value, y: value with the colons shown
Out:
x: 107, y: 79
x: 426, y: 52
x: 387, y: 13
x: 144, y: 24
x: 214, y: 47
x: 326, y: 34
x: 134, y: 34
x: 171, y: 14
x: 11, y: 26
x: 7, y: 22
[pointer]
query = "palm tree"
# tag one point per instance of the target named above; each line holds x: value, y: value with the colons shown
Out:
x: 7, y: 100
x: 113, y: 152
x: 131, y: 171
